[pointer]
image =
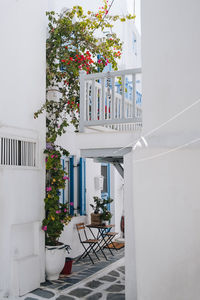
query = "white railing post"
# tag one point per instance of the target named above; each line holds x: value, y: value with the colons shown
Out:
x: 134, y: 95
x: 123, y: 96
x: 93, y: 100
x: 121, y: 112
x: 82, y: 100
x: 113, y: 99
x: 103, y: 96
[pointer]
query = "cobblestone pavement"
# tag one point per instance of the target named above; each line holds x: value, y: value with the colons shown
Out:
x: 104, y: 280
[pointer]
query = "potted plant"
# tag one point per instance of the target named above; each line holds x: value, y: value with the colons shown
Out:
x: 106, y: 214
x: 56, y: 214
x: 101, y: 212
x: 97, y: 207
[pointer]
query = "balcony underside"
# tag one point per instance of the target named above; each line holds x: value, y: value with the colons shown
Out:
x: 106, y: 144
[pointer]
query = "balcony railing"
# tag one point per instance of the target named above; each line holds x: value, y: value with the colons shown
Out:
x: 110, y: 100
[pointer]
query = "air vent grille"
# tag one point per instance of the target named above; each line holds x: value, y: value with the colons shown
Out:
x: 16, y: 152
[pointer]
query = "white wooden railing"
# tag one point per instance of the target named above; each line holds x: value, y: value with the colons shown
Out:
x: 104, y: 100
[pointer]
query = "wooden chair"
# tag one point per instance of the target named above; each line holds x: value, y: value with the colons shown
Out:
x: 110, y: 235
x: 91, y: 243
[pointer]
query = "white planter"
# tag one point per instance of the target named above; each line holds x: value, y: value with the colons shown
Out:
x: 105, y: 222
x: 55, y: 261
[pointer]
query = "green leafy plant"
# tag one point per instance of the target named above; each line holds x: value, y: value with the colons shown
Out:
x: 106, y: 216
x: 57, y: 214
x: 100, y: 206
x: 97, y: 206
x: 72, y: 45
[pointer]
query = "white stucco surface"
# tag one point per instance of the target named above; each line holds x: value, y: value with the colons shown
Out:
x: 22, y: 81
x: 166, y: 188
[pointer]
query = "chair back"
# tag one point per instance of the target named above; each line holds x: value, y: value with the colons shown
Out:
x: 80, y: 227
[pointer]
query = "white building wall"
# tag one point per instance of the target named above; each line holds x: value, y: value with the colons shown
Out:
x: 117, y: 194
x: 166, y: 187
x: 22, y: 81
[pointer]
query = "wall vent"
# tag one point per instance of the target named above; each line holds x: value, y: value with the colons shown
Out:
x: 15, y: 152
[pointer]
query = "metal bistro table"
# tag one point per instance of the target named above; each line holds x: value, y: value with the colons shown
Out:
x: 103, y: 235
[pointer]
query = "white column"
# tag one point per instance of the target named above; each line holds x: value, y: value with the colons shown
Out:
x: 130, y: 259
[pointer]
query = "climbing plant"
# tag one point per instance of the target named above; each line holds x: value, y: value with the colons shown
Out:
x: 76, y: 41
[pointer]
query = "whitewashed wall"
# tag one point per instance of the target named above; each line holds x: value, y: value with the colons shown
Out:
x: 166, y: 188
x: 22, y: 82
x: 117, y: 194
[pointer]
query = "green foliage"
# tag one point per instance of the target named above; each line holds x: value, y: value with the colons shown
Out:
x: 101, y: 206
x: 71, y: 46
x: 57, y: 214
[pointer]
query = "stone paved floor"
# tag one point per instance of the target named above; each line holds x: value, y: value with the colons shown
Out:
x: 103, y: 280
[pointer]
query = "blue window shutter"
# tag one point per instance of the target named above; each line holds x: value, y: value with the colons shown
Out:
x: 82, y: 186
x: 71, y: 185
x: 108, y: 183
x: 106, y: 194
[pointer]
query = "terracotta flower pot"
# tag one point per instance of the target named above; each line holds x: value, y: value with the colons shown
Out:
x: 68, y: 266
x: 95, y: 219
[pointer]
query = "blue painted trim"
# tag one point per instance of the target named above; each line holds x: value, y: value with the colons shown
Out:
x: 71, y: 185
x: 108, y: 182
x: 82, y: 194
x: 107, y: 195
x: 84, y: 173
x: 63, y: 191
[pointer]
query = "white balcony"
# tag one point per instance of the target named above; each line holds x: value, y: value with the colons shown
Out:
x: 109, y: 100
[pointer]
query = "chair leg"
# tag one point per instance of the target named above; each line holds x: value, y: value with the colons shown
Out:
x: 106, y: 243
x: 87, y: 250
x: 110, y: 241
x: 101, y: 249
x: 95, y: 252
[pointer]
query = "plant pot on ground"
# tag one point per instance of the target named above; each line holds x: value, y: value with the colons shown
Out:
x: 56, y: 214
x: 54, y: 261
x: 68, y: 266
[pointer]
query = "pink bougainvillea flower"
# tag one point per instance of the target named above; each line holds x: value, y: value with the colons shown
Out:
x: 44, y: 228
x: 52, y: 156
x: 71, y: 203
x: 58, y: 211
x: 66, y: 178
x: 49, y: 188
x: 65, y: 210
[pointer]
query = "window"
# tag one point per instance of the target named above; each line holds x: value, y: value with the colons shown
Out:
x: 64, y: 194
